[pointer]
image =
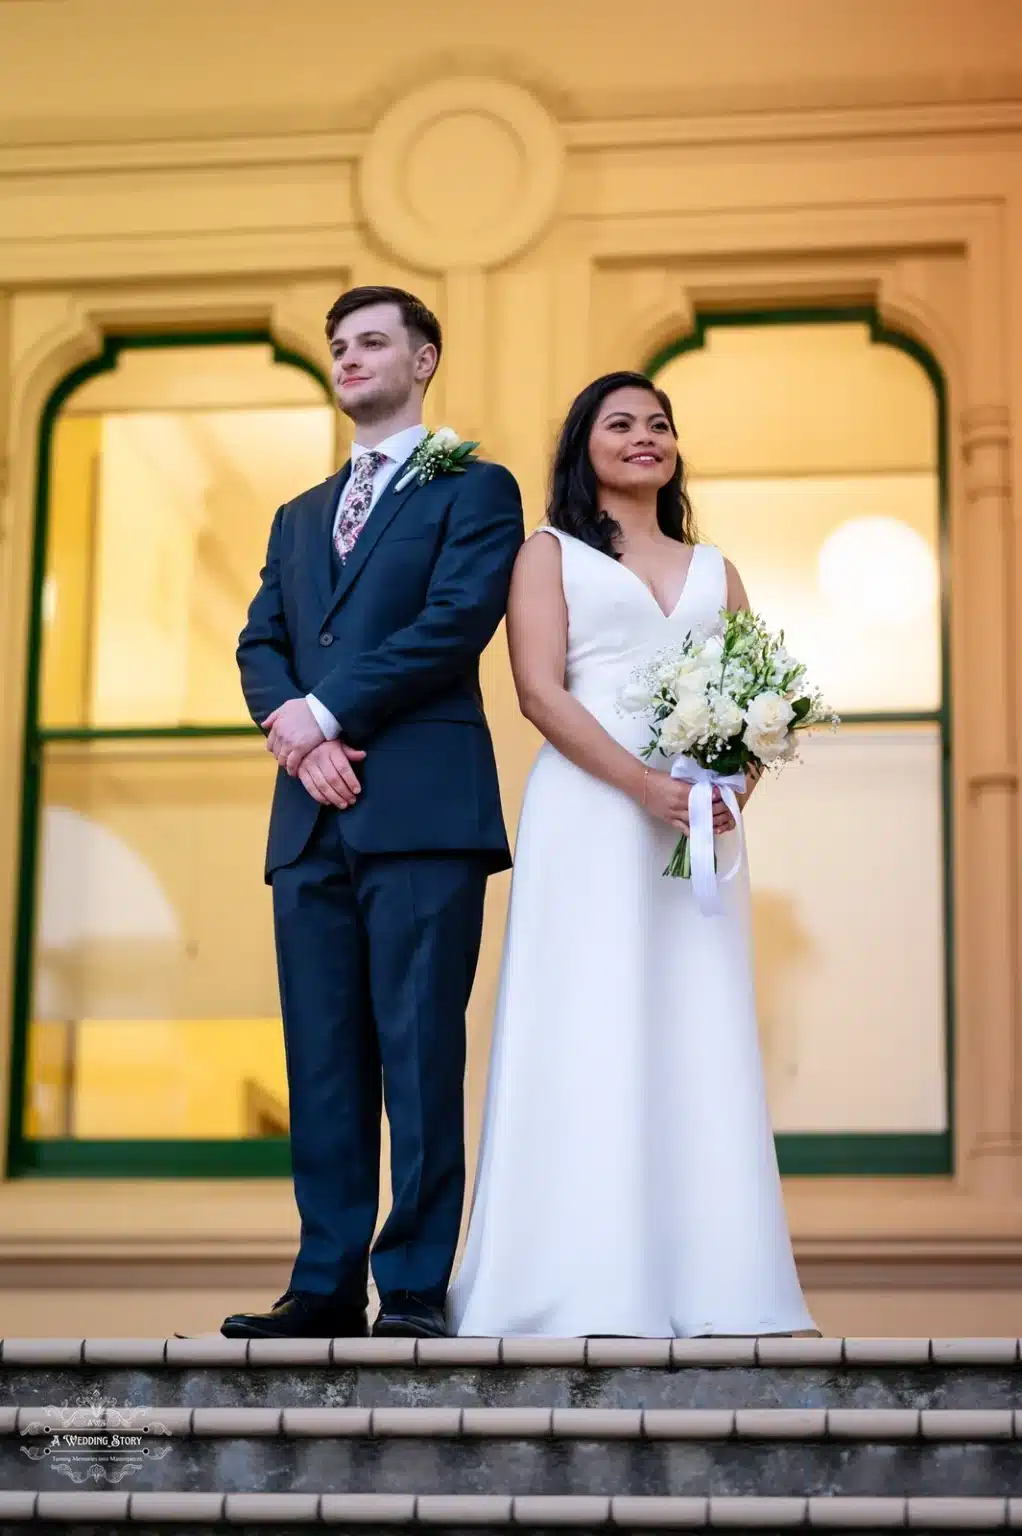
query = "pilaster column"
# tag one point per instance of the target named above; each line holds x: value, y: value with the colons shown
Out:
x: 988, y: 1047
x: 5, y: 417
x: 466, y: 351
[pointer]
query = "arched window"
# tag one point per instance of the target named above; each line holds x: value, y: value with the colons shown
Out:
x: 816, y: 451
x: 147, y: 1027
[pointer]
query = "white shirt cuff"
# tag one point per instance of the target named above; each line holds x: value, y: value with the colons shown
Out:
x: 324, y: 719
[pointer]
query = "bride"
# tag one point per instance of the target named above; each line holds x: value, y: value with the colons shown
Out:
x: 627, y: 1182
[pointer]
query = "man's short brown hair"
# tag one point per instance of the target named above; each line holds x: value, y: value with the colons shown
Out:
x: 419, y: 321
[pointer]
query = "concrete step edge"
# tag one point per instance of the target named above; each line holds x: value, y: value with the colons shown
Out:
x: 805, y: 1425
x: 499, y: 1511
x: 214, y: 1349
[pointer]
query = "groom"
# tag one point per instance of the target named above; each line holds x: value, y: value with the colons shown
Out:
x: 360, y: 660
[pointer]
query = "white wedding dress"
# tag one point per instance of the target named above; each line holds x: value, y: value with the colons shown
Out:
x: 627, y: 1181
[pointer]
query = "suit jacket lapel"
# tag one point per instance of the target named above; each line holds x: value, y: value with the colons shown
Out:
x: 379, y: 519
x: 323, y: 533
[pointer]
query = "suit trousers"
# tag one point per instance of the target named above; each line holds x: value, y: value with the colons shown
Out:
x: 376, y: 955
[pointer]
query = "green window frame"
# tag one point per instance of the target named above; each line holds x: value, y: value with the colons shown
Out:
x: 69, y: 1157
x: 843, y: 1154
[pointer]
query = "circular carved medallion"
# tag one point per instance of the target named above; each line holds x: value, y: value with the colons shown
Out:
x: 461, y: 173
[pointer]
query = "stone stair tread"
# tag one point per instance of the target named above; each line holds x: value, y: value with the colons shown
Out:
x: 214, y: 1349
x: 579, y: 1510
x: 652, y: 1424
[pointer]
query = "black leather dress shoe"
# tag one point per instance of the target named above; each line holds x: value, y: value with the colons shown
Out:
x: 404, y: 1316
x: 299, y: 1315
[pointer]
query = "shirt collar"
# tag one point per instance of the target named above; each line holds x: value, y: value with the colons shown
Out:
x: 398, y: 447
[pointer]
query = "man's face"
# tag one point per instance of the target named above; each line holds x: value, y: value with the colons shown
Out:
x: 376, y: 367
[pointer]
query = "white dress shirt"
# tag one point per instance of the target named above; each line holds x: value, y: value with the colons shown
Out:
x: 399, y: 448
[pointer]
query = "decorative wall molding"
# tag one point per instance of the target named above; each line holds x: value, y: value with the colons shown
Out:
x: 462, y: 173
x: 52, y: 1221
x: 933, y: 120
x: 938, y: 120
x: 77, y: 158
x: 836, y: 1266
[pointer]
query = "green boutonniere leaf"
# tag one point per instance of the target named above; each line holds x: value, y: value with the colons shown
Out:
x: 440, y: 453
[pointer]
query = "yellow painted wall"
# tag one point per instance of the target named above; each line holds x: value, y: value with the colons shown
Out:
x: 109, y: 67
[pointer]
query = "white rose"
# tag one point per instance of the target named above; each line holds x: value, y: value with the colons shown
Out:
x: 727, y: 717
x: 767, y: 720
x: 689, y: 685
x: 636, y: 697
x: 689, y: 676
x: 711, y: 653
x: 444, y: 437
x: 768, y: 746
x: 688, y: 722
x: 769, y: 714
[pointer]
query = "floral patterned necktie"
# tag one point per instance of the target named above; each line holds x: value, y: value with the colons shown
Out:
x: 357, y: 502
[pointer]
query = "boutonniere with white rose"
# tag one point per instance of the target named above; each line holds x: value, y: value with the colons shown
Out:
x: 440, y: 453
x: 728, y: 700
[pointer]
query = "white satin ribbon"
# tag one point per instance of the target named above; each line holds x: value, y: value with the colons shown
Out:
x: 705, y: 879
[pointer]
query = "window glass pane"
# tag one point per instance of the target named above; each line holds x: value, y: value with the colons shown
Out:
x: 847, y: 567
x: 165, y: 475
x: 155, y: 1010
x: 847, y: 875
x: 765, y: 400
x: 812, y: 456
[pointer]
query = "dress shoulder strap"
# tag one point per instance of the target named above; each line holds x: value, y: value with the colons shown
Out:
x: 712, y: 576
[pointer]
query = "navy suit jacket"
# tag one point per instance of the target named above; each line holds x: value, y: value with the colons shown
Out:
x: 392, y: 648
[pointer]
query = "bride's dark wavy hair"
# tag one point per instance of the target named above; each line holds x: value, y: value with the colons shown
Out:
x: 574, y: 504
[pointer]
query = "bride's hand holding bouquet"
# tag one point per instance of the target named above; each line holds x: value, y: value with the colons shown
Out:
x: 724, y: 706
x: 668, y: 800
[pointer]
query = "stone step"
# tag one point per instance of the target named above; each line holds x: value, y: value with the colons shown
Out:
x: 902, y: 1425
x: 516, y: 1466
x: 460, y: 1450
x: 100, y: 1513
x: 214, y: 1349
x: 434, y: 1451
x: 516, y: 1373
x: 682, y: 1433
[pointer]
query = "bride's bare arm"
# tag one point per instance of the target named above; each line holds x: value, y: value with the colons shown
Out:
x: 537, y: 634
x: 737, y: 597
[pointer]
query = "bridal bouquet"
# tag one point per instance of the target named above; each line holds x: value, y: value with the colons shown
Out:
x: 725, y: 701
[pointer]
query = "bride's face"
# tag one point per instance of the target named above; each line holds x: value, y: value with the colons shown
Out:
x: 631, y: 445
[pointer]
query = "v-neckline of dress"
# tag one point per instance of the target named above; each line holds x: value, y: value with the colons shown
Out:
x: 649, y: 590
